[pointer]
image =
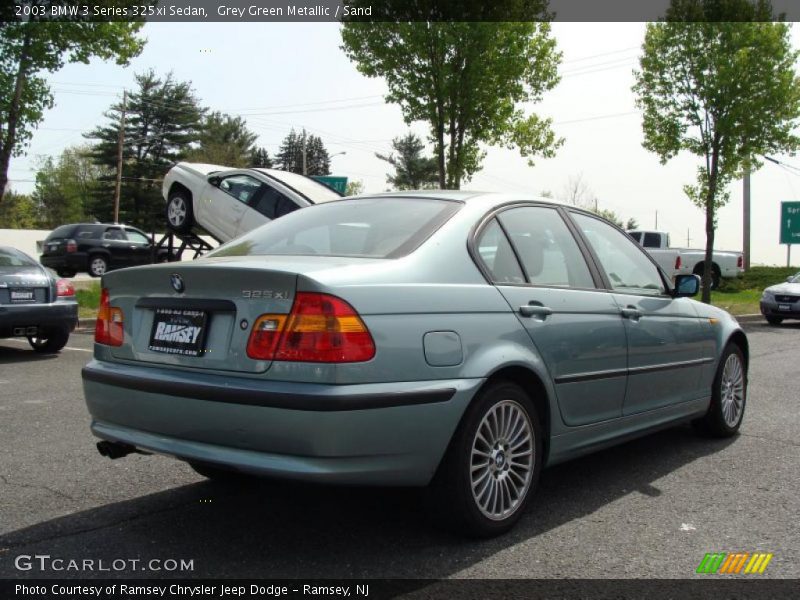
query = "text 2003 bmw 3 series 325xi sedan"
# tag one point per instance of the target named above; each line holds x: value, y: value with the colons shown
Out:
x: 450, y: 339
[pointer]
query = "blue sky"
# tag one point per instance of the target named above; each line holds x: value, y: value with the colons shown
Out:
x: 287, y: 75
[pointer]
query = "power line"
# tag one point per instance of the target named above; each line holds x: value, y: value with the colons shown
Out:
x: 574, y: 60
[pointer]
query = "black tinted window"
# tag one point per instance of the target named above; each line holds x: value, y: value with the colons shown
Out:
x: 369, y: 227
x: 652, y: 240
x: 64, y: 231
x: 272, y: 204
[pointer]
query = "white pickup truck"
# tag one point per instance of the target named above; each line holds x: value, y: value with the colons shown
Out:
x: 723, y: 263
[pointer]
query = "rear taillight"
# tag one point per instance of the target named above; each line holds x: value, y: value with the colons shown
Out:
x: 740, y: 262
x: 64, y: 288
x: 108, y: 329
x: 678, y: 262
x: 320, y: 328
x: 72, y: 246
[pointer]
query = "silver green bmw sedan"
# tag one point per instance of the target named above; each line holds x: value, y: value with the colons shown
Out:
x: 456, y: 340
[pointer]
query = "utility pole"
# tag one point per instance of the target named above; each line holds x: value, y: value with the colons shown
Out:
x: 305, y: 154
x: 688, y: 239
x: 656, y: 220
x: 120, y: 144
x: 746, y: 218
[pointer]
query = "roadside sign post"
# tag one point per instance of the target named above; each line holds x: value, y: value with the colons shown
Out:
x: 340, y: 185
x: 790, y: 227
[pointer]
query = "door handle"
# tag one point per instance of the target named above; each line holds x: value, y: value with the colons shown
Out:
x: 535, y: 310
x: 629, y: 312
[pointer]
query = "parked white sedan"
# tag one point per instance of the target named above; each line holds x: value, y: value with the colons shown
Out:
x: 228, y: 202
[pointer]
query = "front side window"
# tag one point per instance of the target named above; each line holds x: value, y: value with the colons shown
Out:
x: 627, y: 266
x: 547, y: 249
x: 241, y: 187
x: 136, y: 237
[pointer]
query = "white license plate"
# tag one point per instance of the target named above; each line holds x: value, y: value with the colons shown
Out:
x: 179, y: 331
x: 22, y: 295
x: 786, y: 307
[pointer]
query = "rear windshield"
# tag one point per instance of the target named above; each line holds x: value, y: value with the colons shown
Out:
x: 12, y: 258
x: 366, y: 227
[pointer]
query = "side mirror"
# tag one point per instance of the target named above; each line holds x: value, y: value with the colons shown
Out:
x: 214, y: 180
x: 686, y: 286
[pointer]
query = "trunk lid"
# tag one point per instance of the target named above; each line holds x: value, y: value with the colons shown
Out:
x: 207, y: 324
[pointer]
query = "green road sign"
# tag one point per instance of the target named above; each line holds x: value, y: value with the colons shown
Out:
x: 340, y: 184
x: 790, y: 222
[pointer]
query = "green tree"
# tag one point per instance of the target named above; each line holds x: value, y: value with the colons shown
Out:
x: 65, y: 185
x: 225, y: 140
x: 30, y: 49
x: 467, y: 81
x: 260, y: 158
x: 631, y: 223
x: 722, y: 90
x: 290, y: 155
x: 354, y: 188
x: 163, y: 120
x: 413, y: 171
x: 19, y: 211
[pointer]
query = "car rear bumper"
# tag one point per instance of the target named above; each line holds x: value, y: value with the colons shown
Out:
x: 75, y: 261
x: 772, y: 309
x: 56, y: 314
x: 378, y: 434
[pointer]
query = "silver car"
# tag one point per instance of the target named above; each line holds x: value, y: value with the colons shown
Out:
x: 455, y: 340
x: 781, y: 301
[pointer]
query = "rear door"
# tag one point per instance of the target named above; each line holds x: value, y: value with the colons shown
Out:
x: 140, y: 246
x: 117, y: 245
x: 667, y: 343
x: 538, y: 265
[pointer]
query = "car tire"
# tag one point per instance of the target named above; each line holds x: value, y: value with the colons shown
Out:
x: 179, y: 214
x: 479, y: 490
x: 98, y: 265
x: 716, y: 278
x: 65, y: 273
x: 728, y: 396
x: 220, y: 474
x: 50, y: 341
x: 774, y: 320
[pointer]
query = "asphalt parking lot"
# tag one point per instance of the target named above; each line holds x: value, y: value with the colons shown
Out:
x: 649, y: 508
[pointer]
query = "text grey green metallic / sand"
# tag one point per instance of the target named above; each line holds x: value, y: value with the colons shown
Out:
x: 456, y: 340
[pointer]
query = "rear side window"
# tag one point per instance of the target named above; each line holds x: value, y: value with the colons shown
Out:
x: 652, y: 240
x: 547, y: 249
x: 366, y: 227
x: 498, y: 256
x: 90, y: 232
x: 64, y: 231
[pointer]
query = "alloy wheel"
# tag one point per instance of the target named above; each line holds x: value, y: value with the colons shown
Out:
x: 502, y: 460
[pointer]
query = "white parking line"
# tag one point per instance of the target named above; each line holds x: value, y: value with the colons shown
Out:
x: 64, y: 348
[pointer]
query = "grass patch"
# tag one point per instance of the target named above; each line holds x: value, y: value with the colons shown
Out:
x: 741, y: 296
x: 744, y: 302
x: 88, y: 300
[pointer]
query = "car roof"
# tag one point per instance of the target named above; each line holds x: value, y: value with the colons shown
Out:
x: 484, y: 199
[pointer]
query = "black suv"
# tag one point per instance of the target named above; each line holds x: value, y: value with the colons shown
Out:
x: 97, y: 248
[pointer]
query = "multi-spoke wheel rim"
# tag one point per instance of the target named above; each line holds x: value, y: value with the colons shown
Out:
x: 177, y: 211
x: 502, y: 459
x: 732, y: 390
x: 98, y: 266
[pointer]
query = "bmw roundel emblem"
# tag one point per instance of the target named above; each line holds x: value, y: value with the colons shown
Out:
x: 177, y: 283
